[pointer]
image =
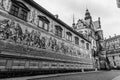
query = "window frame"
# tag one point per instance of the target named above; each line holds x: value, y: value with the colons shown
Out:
x: 24, y: 15
x: 22, y: 12
x: 58, y: 31
x: 76, y: 40
x: 43, y: 24
x: 69, y: 36
x: 87, y: 46
x: 40, y: 25
x: 11, y: 10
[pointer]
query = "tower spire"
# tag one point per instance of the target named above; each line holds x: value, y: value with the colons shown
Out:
x: 88, y: 18
x: 73, y: 25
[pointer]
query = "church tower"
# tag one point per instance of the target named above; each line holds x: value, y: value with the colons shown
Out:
x: 88, y: 19
x: 87, y: 15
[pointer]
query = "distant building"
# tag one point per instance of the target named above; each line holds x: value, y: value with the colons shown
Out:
x: 92, y: 31
x: 112, y: 46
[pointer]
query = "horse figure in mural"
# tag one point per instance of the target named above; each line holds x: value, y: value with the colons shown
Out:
x: 57, y: 47
x: 52, y: 43
x: 49, y: 42
x: 64, y: 48
x: 26, y: 37
x: 8, y: 30
x: 32, y: 35
x: 16, y: 32
x: 43, y: 42
x: 19, y: 33
x: 36, y: 39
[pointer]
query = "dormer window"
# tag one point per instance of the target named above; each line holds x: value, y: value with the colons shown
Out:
x: 19, y: 10
x: 69, y: 36
x: 43, y: 22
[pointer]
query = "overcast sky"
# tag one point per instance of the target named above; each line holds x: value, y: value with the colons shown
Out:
x: 106, y: 9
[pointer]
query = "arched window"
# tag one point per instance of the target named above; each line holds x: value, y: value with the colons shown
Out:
x: 19, y: 10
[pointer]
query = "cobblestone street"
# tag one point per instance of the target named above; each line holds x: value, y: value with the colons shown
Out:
x: 104, y: 75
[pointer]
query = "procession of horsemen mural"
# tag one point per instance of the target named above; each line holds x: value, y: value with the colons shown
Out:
x: 13, y: 32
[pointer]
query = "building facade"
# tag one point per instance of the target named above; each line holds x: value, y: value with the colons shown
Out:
x: 33, y: 38
x: 112, y: 46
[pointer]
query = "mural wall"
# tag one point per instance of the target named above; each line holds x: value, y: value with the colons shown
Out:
x: 15, y: 32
